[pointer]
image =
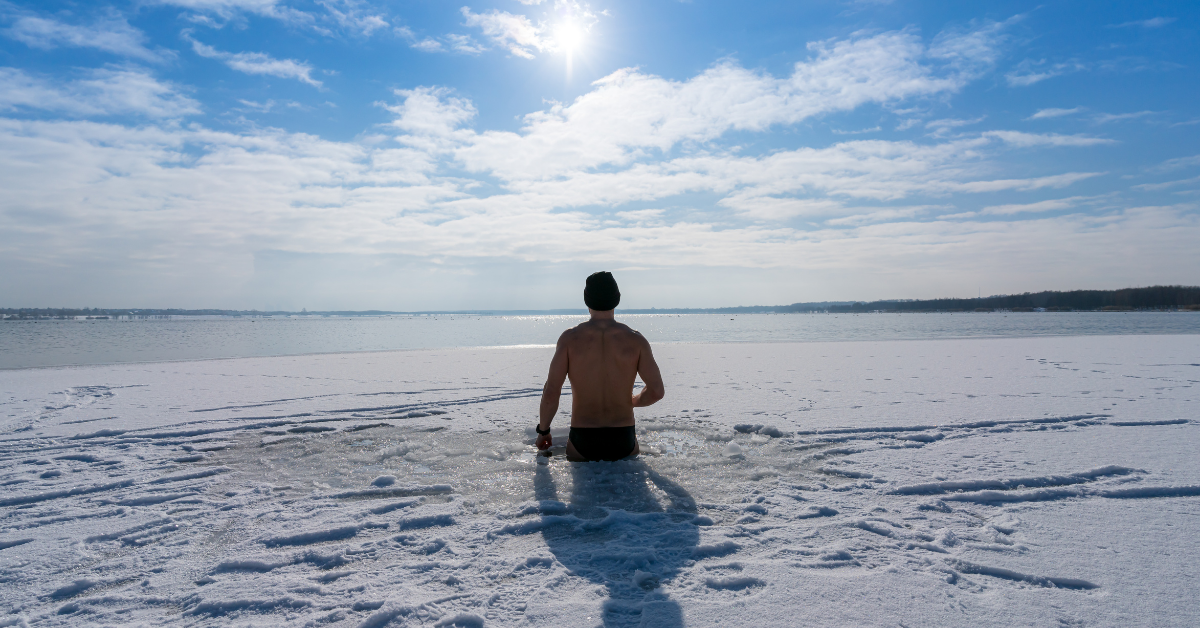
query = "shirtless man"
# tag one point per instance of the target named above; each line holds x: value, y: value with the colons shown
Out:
x: 601, y: 357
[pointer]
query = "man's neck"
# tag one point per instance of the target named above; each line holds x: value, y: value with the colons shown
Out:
x: 602, y: 315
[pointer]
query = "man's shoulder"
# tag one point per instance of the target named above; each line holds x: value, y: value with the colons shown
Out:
x: 630, y: 334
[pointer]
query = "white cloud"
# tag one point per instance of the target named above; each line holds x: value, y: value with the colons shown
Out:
x: 781, y: 208
x: 1042, y: 114
x: 258, y: 63
x: 1105, y: 118
x: 102, y: 92
x: 1025, y: 140
x: 949, y: 123
x: 429, y: 118
x: 1154, y: 22
x: 512, y: 32
x: 1177, y: 163
x: 629, y: 113
x: 450, y: 42
x: 1154, y: 187
x: 195, y: 200
x: 1026, y: 185
x: 464, y: 44
x: 972, y: 51
x: 1039, y: 206
x: 113, y: 35
x: 642, y: 216
x: 873, y: 129
x: 1029, y: 71
x: 881, y: 215
x: 427, y: 45
x: 233, y: 9
x: 351, y: 15
x: 945, y: 125
x: 262, y: 107
x: 573, y: 183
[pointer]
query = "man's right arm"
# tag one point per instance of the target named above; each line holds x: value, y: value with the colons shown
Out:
x: 651, y: 377
x: 552, y: 391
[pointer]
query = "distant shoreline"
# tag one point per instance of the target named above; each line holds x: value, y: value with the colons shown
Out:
x: 1154, y: 298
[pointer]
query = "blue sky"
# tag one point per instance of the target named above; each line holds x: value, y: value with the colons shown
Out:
x: 426, y: 155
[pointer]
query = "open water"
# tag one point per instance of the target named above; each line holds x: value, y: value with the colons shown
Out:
x: 25, y: 344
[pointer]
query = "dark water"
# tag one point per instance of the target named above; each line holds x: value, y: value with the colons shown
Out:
x: 26, y: 344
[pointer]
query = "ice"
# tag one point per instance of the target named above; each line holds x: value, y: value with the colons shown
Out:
x: 927, y: 483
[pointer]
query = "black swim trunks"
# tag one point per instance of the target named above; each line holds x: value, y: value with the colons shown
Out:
x: 603, y: 443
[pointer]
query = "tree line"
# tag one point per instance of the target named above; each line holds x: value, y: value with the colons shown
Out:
x: 1151, y: 298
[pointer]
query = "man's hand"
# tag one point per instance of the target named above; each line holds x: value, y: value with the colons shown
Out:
x: 544, y: 442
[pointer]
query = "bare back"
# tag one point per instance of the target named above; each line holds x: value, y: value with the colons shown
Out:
x: 602, y: 358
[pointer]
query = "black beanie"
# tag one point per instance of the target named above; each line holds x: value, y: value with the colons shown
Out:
x: 601, y: 293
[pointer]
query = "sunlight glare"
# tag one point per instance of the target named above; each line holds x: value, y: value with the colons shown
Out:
x: 569, y: 36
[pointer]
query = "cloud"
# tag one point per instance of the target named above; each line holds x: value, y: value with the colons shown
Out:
x: 1030, y: 71
x: 448, y: 43
x: 882, y: 215
x: 1154, y: 22
x: 873, y: 129
x: 429, y: 118
x: 1105, y: 118
x: 101, y: 92
x: 464, y: 44
x: 943, y: 126
x: 191, y: 200
x: 233, y: 9
x: 972, y: 51
x: 217, y: 205
x: 521, y: 37
x: 775, y: 208
x: 257, y: 63
x: 350, y: 15
x: 1026, y: 185
x: 1155, y: 187
x: 1177, y: 163
x: 113, y: 35
x: 1054, y: 113
x: 952, y: 123
x: 1025, y: 140
x: 353, y: 16
x: 640, y: 170
x: 629, y: 115
x: 1039, y: 206
x: 642, y: 216
x: 512, y: 32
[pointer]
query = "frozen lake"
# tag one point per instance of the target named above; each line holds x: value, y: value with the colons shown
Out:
x: 59, y: 343
x: 946, y: 482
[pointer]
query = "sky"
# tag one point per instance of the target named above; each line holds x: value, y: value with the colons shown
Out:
x: 357, y: 154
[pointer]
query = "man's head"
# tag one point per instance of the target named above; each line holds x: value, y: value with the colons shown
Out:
x: 601, y: 293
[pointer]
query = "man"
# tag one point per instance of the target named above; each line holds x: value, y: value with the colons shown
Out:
x: 601, y: 357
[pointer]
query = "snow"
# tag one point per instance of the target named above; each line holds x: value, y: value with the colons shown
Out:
x: 937, y: 482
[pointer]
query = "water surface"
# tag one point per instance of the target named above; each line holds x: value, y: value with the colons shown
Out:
x: 25, y: 344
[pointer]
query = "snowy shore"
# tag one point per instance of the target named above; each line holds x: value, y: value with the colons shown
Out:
x: 1018, y: 481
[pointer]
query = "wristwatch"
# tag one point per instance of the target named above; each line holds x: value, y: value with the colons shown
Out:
x: 538, y: 428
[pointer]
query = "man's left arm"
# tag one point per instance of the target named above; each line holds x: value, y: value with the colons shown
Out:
x: 654, y: 389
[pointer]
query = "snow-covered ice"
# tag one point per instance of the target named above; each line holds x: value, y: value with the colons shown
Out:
x: 1034, y: 481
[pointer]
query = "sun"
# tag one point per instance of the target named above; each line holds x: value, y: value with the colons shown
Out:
x: 569, y: 36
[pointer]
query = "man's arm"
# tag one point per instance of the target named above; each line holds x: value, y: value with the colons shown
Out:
x: 552, y: 391
x: 648, y: 370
